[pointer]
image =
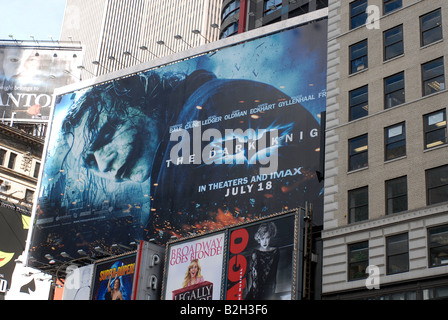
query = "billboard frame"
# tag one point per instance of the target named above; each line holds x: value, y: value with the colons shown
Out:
x: 158, y: 63
x: 298, y: 257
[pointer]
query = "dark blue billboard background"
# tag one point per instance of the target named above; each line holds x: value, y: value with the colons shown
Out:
x: 181, y: 149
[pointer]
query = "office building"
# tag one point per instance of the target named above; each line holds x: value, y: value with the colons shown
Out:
x: 239, y: 16
x: 118, y: 34
x: 386, y: 164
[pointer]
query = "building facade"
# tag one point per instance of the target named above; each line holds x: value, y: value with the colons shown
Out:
x: 118, y: 34
x: 386, y: 163
x: 238, y: 16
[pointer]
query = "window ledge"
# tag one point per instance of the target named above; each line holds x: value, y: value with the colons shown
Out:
x: 358, y: 72
x: 393, y: 59
x: 357, y: 170
x: 436, y: 148
x: 431, y: 44
x: 396, y: 159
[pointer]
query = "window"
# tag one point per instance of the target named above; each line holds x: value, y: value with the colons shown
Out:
x: 395, y: 142
x: 393, y: 42
x: 358, y: 56
x: 12, y: 160
x: 36, y: 169
x: 396, y: 195
x: 358, y: 201
x: 29, y: 194
x: 358, y: 15
x: 394, y: 90
x: 437, y: 185
x: 358, y: 260
x: 391, y: 5
x: 397, y: 248
x: 431, y: 27
x: 358, y: 153
x: 435, y: 129
x: 359, y: 103
x: 433, y: 76
x: 438, y: 245
x: 2, y: 157
x: 271, y: 6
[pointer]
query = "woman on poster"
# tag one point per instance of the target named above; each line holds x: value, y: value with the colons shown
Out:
x: 114, y: 292
x: 193, y: 275
x: 263, y: 265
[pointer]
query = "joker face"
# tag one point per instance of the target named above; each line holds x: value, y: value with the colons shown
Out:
x: 116, y: 140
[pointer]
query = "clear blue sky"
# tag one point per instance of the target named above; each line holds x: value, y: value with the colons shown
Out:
x: 23, y: 18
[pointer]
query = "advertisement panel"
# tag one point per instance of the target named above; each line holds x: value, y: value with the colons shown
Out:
x: 113, y: 278
x: 263, y: 260
x: 194, y: 268
x: 28, y: 77
x: 14, y: 225
x: 196, y: 145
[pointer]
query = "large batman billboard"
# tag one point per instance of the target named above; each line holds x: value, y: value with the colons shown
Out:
x: 198, y: 144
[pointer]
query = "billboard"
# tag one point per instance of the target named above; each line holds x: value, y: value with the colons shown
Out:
x: 28, y: 77
x: 192, y: 146
x: 257, y: 260
x: 194, y: 267
x: 113, y: 278
x: 263, y: 260
x: 14, y: 227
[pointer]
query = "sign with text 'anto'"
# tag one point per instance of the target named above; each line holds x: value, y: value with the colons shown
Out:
x: 28, y: 77
x: 190, y: 147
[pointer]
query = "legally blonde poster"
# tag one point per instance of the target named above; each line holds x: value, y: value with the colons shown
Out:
x: 194, y: 268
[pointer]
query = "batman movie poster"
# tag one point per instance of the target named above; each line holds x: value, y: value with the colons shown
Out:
x: 261, y: 260
x: 113, y: 279
x: 194, y: 268
x: 186, y: 148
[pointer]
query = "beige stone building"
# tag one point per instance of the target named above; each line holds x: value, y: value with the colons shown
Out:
x: 386, y: 164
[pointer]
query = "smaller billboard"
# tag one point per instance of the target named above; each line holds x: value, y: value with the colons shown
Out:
x: 194, y: 267
x: 113, y: 278
x: 262, y: 258
x: 258, y: 260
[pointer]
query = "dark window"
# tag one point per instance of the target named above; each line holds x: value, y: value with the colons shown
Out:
x: 435, y: 129
x: 358, y: 56
x: 393, y: 42
x: 12, y: 160
x: 358, y: 260
x: 2, y: 157
x: 358, y: 15
x: 394, y: 90
x: 437, y: 185
x: 395, y: 141
x: 397, y: 248
x: 231, y: 8
x: 396, y: 195
x: 438, y: 245
x: 431, y: 27
x: 358, y: 201
x: 433, y: 76
x: 359, y: 103
x: 358, y: 152
x: 36, y: 170
x: 391, y: 5
x: 230, y: 30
